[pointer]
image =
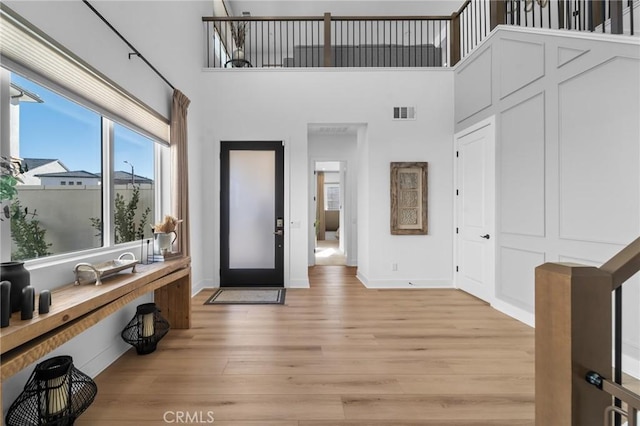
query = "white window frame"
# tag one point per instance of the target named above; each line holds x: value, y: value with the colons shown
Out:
x: 161, y: 180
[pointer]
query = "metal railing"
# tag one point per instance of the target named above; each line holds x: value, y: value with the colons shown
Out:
x: 397, y: 41
x: 616, y: 412
x: 611, y: 16
x: 327, y: 42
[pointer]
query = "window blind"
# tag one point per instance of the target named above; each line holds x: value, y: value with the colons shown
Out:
x: 29, y: 49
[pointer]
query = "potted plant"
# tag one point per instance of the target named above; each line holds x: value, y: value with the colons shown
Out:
x: 239, y: 31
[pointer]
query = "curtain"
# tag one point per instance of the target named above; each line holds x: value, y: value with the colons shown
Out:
x: 180, y: 168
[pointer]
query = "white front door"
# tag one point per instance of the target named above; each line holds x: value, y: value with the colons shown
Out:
x: 475, y: 210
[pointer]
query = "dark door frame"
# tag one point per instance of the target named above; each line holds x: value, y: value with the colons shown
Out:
x: 251, y: 277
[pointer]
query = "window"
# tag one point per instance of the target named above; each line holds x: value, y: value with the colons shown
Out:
x: 133, y: 184
x: 53, y: 136
x: 332, y: 196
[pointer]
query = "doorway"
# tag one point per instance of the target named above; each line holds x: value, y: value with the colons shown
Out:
x: 251, y: 214
x: 329, y: 213
x: 335, y: 148
x: 475, y: 210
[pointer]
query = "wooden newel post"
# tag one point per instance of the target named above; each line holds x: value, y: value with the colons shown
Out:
x: 455, y: 39
x: 573, y: 336
x: 497, y: 13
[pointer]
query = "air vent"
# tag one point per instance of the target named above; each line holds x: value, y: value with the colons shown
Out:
x: 404, y: 113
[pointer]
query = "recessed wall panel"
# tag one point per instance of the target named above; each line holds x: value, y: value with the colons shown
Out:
x: 568, y: 54
x: 522, y: 168
x: 600, y: 174
x: 474, y: 268
x: 579, y: 260
x: 517, y: 276
x: 473, y: 86
x: 521, y: 62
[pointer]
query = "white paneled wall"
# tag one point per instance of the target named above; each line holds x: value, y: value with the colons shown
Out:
x: 567, y: 108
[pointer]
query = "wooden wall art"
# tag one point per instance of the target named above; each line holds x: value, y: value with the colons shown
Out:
x: 409, y: 198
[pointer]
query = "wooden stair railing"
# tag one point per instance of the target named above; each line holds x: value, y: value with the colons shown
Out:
x: 573, y: 335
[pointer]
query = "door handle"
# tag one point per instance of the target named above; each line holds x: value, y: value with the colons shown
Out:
x: 279, y: 232
x: 485, y: 236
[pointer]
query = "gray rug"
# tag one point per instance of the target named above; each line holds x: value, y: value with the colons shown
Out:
x: 247, y: 296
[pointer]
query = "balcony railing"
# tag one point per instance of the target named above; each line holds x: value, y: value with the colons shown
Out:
x: 575, y: 320
x: 396, y: 41
x: 328, y: 42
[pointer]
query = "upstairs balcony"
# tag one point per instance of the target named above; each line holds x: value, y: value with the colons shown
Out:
x: 397, y: 41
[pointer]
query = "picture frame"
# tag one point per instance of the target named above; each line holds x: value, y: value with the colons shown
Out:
x: 409, y: 192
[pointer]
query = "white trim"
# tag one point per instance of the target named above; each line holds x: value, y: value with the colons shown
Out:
x: 203, y: 285
x: 105, y: 358
x: 514, y: 312
x: 328, y: 69
x: 298, y: 284
x: 409, y: 284
x: 362, y: 278
x: 630, y: 364
x: 583, y: 35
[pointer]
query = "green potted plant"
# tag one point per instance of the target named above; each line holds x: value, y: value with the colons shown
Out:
x: 9, y: 177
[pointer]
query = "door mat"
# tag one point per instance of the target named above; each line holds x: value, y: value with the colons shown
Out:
x: 247, y: 296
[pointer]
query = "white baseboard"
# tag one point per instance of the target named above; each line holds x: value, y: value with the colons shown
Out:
x: 209, y: 284
x: 362, y: 278
x: 405, y: 284
x: 631, y: 366
x: 514, y: 312
x: 201, y: 286
x: 104, y: 359
x: 298, y: 284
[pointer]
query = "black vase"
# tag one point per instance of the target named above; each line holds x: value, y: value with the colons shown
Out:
x: 19, y: 277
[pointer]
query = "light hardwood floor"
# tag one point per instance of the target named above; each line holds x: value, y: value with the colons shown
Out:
x: 334, y: 355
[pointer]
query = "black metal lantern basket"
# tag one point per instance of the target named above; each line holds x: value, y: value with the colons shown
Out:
x: 55, y: 395
x: 145, y: 329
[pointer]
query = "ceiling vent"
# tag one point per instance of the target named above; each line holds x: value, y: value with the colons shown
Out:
x: 404, y: 113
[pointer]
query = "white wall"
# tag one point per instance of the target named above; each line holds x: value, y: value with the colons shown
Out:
x: 567, y: 109
x: 266, y: 104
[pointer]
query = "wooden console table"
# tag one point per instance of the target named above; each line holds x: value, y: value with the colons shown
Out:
x: 76, y: 308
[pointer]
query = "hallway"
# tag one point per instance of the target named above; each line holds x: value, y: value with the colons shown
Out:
x: 336, y: 354
x: 329, y: 253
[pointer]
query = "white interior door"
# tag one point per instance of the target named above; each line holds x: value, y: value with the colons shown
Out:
x: 475, y: 210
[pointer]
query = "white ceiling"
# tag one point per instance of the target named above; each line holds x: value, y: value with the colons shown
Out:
x: 276, y: 8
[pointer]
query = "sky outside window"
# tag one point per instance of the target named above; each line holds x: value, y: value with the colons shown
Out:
x: 58, y: 129
x: 77, y: 132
